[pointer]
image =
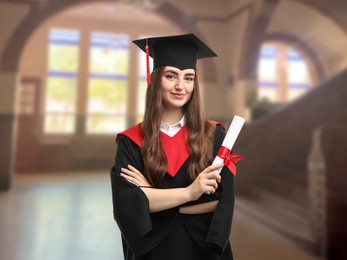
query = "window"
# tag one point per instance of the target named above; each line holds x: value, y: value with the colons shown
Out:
x: 60, y: 105
x: 267, y: 70
x: 283, y: 73
x: 105, y: 110
x: 108, y: 81
x: 299, y: 81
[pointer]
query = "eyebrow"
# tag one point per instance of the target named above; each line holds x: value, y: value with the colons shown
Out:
x: 176, y: 73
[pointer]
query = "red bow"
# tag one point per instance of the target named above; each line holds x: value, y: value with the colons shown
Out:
x: 229, y: 159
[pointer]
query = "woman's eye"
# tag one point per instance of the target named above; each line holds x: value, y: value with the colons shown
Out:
x: 169, y: 77
x: 189, y: 79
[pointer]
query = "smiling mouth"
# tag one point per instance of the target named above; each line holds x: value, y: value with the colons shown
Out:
x: 178, y: 95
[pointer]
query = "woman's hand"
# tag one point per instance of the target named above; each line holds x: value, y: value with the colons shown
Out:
x: 134, y: 176
x: 206, y: 182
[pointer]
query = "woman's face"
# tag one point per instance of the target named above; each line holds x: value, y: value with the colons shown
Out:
x: 177, y: 86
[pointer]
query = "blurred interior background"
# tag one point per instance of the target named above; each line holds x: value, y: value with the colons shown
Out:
x: 70, y: 80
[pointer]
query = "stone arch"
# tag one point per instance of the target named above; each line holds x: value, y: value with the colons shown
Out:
x: 257, y: 34
x: 257, y: 30
x: 13, y: 49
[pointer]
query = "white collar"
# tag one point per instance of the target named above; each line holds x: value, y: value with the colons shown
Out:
x: 179, y: 124
x: 171, y: 130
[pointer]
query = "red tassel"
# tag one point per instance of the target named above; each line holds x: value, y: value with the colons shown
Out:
x: 147, y: 64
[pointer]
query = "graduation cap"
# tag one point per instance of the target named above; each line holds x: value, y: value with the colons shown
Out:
x: 180, y: 51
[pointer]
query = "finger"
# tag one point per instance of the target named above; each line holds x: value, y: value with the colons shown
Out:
x: 213, y: 175
x: 130, y: 173
x: 134, y: 169
x: 215, y: 185
x: 217, y: 176
x: 207, y: 183
x: 205, y: 188
x: 212, y: 183
x: 127, y: 172
x: 130, y: 179
x: 140, y: 176
x: 210, y: 189
x: 213, y: 168
x: 216, y: 166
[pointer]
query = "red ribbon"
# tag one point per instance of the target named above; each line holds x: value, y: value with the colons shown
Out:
x: 229, y: 159
x: 147, y: 64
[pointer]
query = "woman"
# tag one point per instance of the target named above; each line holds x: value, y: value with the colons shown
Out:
x: 169, y: 203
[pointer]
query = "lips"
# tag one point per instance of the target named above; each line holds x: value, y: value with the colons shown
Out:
x: 178, y: 95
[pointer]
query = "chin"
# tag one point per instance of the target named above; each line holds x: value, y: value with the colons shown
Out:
x: 176, y: 104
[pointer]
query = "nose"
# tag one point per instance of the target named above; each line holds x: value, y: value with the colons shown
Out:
x: 179, y: 84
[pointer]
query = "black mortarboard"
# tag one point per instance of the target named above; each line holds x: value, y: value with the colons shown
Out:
x: 180, y: 51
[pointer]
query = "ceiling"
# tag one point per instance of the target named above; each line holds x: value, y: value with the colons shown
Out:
x: 130, y: 13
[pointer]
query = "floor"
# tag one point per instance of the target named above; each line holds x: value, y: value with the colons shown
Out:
x: 69, y: 216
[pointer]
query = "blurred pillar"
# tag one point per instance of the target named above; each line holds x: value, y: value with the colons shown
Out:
x: 240, y: 90
x: 327, y: 181
x: 133, y: 85
x: 256, y: 32
x: 8, y: 82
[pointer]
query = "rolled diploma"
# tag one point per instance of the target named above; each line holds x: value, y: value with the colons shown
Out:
x: 230, y: 138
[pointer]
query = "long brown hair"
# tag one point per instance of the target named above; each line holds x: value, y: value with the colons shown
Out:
x: 199, y: 140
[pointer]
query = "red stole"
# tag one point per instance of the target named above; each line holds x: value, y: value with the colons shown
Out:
x: 175, y: 147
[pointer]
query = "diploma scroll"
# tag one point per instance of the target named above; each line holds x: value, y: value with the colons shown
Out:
x: 230, y: 138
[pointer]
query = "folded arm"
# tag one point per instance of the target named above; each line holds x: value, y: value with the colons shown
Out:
x: 162, y: 199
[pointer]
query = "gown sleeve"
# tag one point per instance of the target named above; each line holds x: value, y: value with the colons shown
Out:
x: 220, y: 227
x: 140, y: 229
x: 212, y: 230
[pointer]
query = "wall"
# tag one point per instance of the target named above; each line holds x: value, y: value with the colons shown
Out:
x: 10, y: 16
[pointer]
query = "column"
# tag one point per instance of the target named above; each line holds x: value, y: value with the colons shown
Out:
x: 8, y: 81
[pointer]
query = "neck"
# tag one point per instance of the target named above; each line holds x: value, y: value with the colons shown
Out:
x: 172, y: 116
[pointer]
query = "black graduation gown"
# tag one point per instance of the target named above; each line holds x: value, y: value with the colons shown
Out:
x: 169, y: 234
